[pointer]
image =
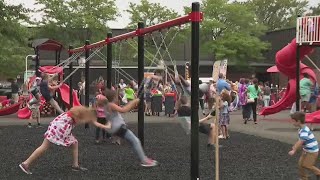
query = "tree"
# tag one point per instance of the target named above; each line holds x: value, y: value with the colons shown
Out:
x: 278, y: 14
x: 230, y: 30
x: 13, y: 39
x: 149, y: 13
x: 315, y: 10
x: 74, y: 21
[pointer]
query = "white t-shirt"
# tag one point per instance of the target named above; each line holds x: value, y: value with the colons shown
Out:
x: 122, y: 86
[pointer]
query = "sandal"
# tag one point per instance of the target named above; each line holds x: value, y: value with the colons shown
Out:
x: 79, y: 168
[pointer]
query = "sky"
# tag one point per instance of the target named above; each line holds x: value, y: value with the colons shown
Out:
x: 122, y: 22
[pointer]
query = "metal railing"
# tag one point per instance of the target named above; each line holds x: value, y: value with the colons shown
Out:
x: 308, y: 30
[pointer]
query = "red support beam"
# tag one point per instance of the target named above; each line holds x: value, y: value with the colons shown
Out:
x: 191, y: 17
x: 121, y: 37
x: 167, y: 24
x: 96, y: 45
x: 76, y: 50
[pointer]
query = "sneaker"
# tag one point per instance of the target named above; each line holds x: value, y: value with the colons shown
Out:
x: 79, y: 168
x: 213, y: 146
x: 24, y: 168
x: 29, y: 126
x: 149, y: 163
x: 220, y: 137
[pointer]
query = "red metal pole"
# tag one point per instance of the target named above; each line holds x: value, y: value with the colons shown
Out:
x: 174, y: 22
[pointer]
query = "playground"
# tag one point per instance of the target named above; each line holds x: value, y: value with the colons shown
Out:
x: 162, y: 114
x: 261, y: 152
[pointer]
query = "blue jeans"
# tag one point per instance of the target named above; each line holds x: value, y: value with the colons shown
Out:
x: 136, y: 144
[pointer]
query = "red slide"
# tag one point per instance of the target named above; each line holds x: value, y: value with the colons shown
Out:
x: 25, y: 112
x: 286, y: 64
x: 10, y: 109
x: 64, y: 92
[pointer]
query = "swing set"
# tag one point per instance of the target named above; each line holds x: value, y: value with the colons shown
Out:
x: 94, y: 49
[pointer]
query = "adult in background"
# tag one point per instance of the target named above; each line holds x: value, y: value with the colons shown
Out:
x: 222, y: 84
x: 266, y: 94
x: 82, y: 90
x: 121, y: 86
x: 253, y: 93
x: 243, y: 97
x: 15, y: 90
x: 201, y: 98
x: 211, y: 94
x: 305, y: 91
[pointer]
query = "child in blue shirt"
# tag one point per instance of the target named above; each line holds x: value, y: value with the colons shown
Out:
x: 309, y: 145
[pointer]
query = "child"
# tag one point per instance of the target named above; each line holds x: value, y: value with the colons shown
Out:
x: 119, y: 127
x: 224, y: 116
x: 35, y: 91
x: 35, y: 114
x: 309, y: 146
x: 60, y: 133
x: 45, y: 89
x: 101, y: 117
x: 205, y: 128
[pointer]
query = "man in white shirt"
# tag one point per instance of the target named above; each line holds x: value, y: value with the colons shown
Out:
x: 122, y: 85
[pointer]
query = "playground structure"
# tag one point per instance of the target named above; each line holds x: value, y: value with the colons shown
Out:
x: 195, y: 17
x: 69, y: 97
x: 307, y: 37
x: 20, y: 108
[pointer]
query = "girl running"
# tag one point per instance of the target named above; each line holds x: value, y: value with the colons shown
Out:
x: 119, y: 127
x: 60, y: 133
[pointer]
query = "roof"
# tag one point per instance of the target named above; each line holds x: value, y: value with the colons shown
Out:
x: 47, y: 45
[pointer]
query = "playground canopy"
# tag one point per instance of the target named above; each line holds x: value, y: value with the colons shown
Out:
x: 47, y: 45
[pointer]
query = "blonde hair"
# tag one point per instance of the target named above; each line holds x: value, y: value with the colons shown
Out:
x: 83, y: 114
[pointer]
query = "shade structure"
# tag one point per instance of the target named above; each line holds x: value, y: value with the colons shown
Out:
x: 273, y: 69
x: 47, y: 45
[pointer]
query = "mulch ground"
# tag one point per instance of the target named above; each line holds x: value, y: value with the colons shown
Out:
x: 243, y: 157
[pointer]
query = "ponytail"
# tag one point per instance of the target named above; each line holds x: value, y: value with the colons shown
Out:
x: 256, y: 86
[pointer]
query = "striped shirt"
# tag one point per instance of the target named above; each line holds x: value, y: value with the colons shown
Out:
x: 310, y: 144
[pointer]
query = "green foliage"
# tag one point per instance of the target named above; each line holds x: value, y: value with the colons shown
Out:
x: 230, y: 31
x: 13, y: 39
x: 315, y: 10
x: 278, y: 14
x: 149, y: 13
x: 74, y: 21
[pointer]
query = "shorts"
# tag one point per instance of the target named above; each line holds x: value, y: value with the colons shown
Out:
x: 102, y: 120
x: 122, y: 131
x: 34, y: 91
x: 47, y: 97
x: 204, y: 128
x: 305, y: 98
x: 35, y: 112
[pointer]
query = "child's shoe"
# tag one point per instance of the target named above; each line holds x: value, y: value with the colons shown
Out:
x: 149, y: 163
x: 79, y: 168
x: 24, y: 168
